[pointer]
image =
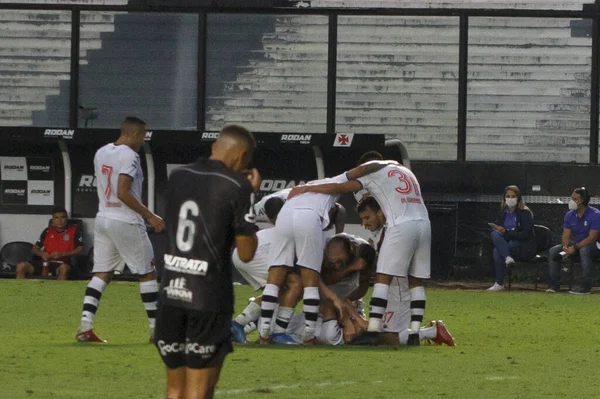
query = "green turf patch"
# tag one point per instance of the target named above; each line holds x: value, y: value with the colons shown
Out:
x: 509, y: 345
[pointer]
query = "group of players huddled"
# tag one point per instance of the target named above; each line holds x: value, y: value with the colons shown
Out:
x: 346, y: 266
x: 209, y: 208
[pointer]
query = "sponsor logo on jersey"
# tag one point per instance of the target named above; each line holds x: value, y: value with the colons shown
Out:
x: 18, y: 168
x: 296, y: 138
x: 187, y: 348
x: 277, y: 185
x: 16, y: 191
x: 343, y: 139
x: 209, y: 136
x: 180, y: 264
x: 60, y: 133
x: 40, y: 168
x: 177, y: 290
x: 148, y: 135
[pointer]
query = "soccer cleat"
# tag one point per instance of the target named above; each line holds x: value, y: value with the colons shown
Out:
x: 552, y: 290
x: 366, y: 338
x: 283, y: 338
x: 414, y: 339
x: 262, y: 340
x: 88, y: 336
x: 237, y: 332
x: 442, y: 335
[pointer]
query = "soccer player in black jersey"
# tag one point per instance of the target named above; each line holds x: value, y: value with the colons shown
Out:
x: 209, y: 208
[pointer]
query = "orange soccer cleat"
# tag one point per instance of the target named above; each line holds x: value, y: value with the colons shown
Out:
x: 443, y: 336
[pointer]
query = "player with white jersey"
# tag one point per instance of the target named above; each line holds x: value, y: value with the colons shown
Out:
x: 299, y: 236
x: 119, y: 232
x: 259, y: 207
x: 397, y: 316
x: 406, y: 250
x: 256, y: 271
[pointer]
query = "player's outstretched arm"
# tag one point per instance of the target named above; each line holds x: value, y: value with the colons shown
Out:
x: 124, y: 194
x: 328, y: 188
x: 368, y: 168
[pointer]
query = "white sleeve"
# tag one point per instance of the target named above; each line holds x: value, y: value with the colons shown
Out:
x: 129, y: 163
x: 342, y: 178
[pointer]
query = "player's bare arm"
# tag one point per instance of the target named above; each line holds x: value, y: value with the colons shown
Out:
x: 368, y: 168
x: 37, y: 251
x: 246, y: 246
x: 328, y: 188
x: 339, y: 304
x: 124, y: 194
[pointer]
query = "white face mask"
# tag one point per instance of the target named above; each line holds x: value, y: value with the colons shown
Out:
x: 572, y: 205
x: 511, y: 202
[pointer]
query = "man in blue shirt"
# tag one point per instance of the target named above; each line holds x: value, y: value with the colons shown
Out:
x: 581, y: 229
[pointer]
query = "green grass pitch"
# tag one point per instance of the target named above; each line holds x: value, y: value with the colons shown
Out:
x: 509, y: 345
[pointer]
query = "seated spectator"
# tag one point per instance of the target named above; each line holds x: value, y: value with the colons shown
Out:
x: 57, y: 244
x: 513, y: 235
x: 581, y: 228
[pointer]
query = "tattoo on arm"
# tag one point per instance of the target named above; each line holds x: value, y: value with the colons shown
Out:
x: 368, y: 168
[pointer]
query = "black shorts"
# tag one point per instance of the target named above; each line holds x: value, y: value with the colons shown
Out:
x: 52, y: 266
x: 192, y: 338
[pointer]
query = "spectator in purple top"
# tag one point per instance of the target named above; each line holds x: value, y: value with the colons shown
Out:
x: 513, y: 235
x: 581, y: 229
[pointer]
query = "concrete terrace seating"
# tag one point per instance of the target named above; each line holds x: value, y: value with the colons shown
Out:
x: 528, y: 83
x: 35, y: 57
x: 523, y: 4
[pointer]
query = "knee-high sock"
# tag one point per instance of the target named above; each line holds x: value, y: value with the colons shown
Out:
x: 377, y: 306
x: 91, y: 301
x: 269, y: 303
x: 251, y: 313
x: 284, y: 315
x: 417, y: 308
x: 311, y: 311
x: 149, y: 294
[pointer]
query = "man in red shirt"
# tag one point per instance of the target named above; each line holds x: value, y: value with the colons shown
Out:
x: 55, y: 246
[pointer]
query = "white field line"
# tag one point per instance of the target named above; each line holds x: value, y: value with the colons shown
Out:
x: 282, y: 386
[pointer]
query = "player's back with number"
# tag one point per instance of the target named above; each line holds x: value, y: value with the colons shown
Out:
x: 111, y: 161
x: 398, y: 192
x: 207, y: 206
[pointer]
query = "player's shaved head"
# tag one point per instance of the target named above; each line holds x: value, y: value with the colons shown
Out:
x: 131, y: 125
x: 235, y: 147
x: 338, y: 252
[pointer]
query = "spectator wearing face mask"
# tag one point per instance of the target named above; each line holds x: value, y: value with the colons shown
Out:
x: 513, y: 235
x: 581, y: 229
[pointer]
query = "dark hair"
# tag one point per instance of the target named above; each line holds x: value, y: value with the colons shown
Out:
x: 273, y: 206
x: 241, y: 133
x: 368, y: 202
x: 134, y: 120
x: 344, y: 241
x: 59, y: 209
x: 584, y: 193
x: 370, y: 156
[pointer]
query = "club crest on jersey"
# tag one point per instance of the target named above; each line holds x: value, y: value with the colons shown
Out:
x: 66, y: 237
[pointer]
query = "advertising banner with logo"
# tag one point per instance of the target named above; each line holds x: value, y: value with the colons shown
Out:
x: 26, y: 181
